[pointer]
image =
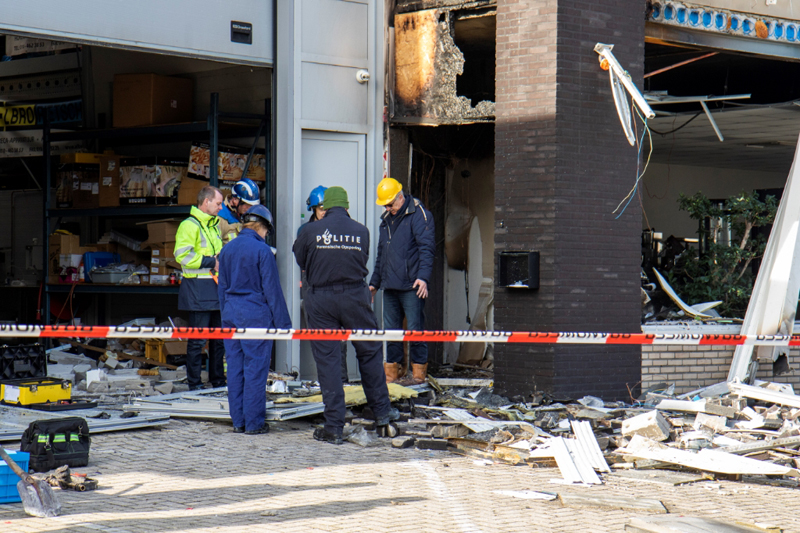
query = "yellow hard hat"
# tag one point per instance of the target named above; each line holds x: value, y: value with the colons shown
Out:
x: 388, y: 189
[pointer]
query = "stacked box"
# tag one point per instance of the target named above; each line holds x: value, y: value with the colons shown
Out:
x: 161, y: 241
x: 148, y: 99
x: 77, y: 181
x: 109, y: 180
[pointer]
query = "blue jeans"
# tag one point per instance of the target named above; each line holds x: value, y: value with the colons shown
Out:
x: 399, y: 304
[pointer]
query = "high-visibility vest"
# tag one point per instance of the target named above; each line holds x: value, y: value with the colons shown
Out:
x: 197, y: 236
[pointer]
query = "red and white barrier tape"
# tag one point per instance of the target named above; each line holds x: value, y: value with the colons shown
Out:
x: 521, y: 337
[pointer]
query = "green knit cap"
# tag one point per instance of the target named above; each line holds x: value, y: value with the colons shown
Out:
x: 335, y: 197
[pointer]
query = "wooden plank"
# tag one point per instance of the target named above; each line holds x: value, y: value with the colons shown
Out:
x: 118, y: 355
x: 611, y: 502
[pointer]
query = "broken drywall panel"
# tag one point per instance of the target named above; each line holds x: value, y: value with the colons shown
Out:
x: 426, y: 65
x: 704, y: 460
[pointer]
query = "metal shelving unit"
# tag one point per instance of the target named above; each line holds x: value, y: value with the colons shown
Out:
x: 213, y: 129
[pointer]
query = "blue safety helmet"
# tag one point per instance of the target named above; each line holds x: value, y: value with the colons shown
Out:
x: 315, y: 198
x: 259, y: 213
x: 247, y: 191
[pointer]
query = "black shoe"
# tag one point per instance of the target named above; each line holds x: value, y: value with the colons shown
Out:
x: 239, y: 429
x: 324, y: 435
x: 260, y: 431
x: 392, y: 415
x: 195, y: 387
x: 219, y: 385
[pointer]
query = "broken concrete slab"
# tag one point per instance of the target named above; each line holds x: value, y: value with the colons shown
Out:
x: 164, y: 388
x: 652, y: 425
x: 712, y: 422
x: 403, y: 442
x: 528, y: 494
x: 611, y: 502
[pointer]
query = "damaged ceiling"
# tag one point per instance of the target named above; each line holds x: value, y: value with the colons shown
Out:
x: 760, y: 132
x: 756, y: 138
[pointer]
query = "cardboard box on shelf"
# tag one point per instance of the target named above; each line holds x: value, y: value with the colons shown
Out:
x: 160, y: 232
x: 150, y: 180
x: 109, y: 180
x: 190, y: 188
x: 231, y: 161
x: 76, y: 180
x: 148, y: 99
x: 65, y: 244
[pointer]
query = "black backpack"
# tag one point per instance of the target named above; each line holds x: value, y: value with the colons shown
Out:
x: 56, y: 442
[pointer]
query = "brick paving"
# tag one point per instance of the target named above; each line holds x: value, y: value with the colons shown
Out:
x: 198, y: 476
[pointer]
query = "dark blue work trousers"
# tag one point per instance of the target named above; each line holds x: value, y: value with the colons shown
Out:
x: 216, y: 352
x: 345, y: 307
x: 399, y: 304
x: 248, y: 369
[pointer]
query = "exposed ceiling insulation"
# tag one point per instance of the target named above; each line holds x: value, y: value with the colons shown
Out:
x: 756, y: 138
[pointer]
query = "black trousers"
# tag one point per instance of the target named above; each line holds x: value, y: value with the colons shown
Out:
x: 216, y: 351
x: 346, y: 308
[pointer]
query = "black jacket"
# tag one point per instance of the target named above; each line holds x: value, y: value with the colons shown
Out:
x: 334, y: 250
x: 405, y: 248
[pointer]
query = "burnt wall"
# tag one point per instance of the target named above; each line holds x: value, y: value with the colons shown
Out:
x: 562, y: 165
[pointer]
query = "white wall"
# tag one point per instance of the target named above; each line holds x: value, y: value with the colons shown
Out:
x: 662, y: 185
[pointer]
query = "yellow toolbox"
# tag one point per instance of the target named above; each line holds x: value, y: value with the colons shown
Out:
x: 27, y: 391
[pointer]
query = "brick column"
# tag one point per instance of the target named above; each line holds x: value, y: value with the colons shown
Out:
x: 562, y: 166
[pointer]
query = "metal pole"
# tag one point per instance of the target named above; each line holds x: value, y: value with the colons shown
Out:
x: 48, y: 170
x: 213, y: 145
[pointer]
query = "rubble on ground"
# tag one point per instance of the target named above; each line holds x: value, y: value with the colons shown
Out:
x: 729, y: 430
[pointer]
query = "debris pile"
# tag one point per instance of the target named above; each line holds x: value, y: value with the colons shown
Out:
x: 728, y: 430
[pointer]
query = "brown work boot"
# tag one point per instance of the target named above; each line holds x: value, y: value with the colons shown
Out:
x: 420, y: 373
x: 391, y: 371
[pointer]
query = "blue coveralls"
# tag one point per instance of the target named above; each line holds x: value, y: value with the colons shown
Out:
x: 334, y: 252
x: 250, y: 296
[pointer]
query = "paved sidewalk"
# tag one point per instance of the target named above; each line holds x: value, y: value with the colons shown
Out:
x: 198, y: 476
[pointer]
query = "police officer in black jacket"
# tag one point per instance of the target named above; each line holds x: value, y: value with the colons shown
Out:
x: 334, y: 252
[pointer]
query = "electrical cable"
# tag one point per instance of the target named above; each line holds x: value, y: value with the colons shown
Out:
x: 678, y: 128
x: 629, y: 196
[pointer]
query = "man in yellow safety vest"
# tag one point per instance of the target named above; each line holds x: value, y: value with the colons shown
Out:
x: 197, y: 244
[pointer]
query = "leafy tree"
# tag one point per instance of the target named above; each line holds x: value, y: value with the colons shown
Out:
x: 723, y: 270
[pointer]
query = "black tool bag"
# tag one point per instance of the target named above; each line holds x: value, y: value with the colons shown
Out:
x: 56, y: 442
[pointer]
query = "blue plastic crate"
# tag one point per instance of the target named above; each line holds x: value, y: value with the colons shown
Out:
x: 8, y: 479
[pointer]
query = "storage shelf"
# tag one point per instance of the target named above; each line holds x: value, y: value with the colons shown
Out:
x: 155, y: 134
x: 123, y: 211
x: 101, y: 288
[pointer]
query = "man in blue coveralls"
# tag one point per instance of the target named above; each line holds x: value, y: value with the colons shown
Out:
x: 250, y: 296
x: 334, y: 252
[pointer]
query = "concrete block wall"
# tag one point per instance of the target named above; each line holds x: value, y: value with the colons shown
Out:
x: 693, y: 367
